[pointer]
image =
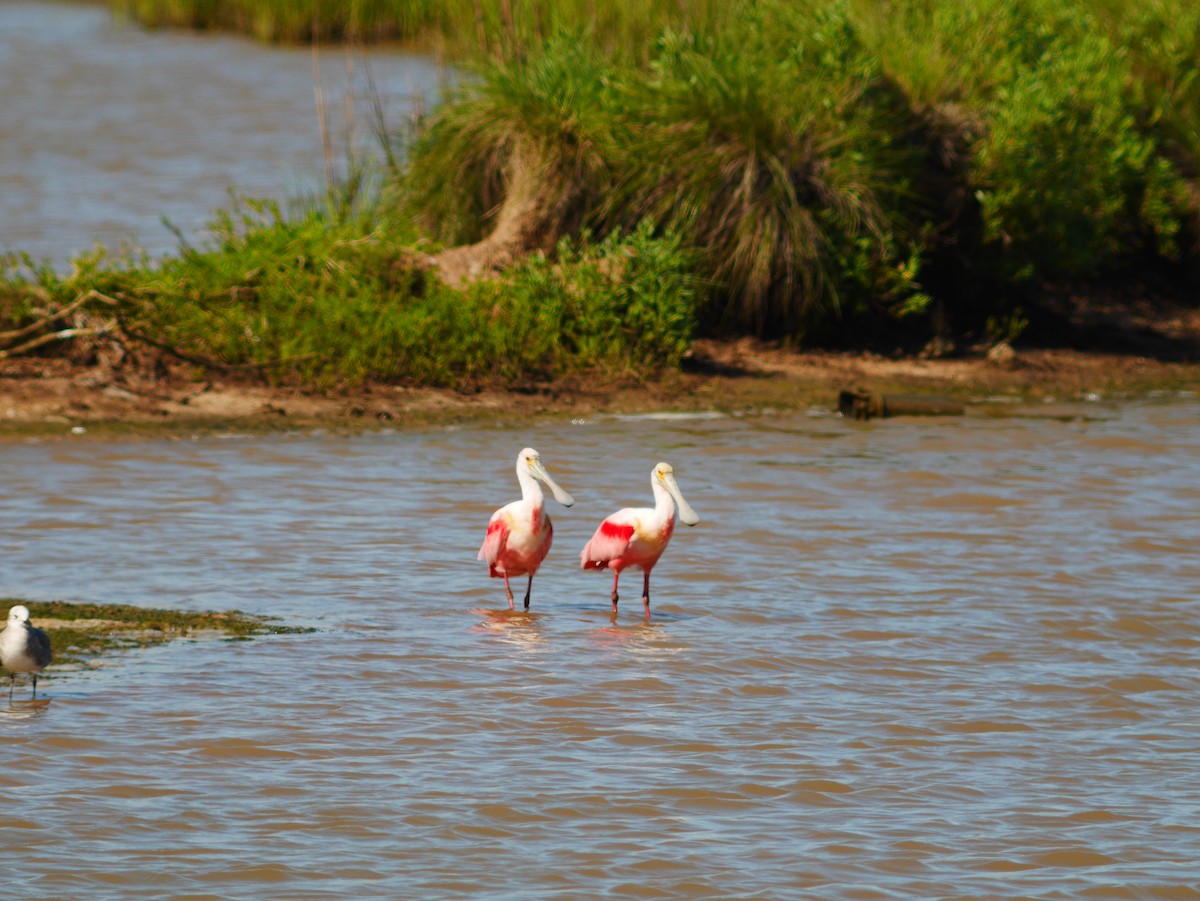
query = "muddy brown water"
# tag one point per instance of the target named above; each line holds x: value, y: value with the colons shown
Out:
x: 951, y: 658
x: 106, y: 128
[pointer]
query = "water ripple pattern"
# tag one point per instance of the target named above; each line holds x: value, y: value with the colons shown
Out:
x: 900, y: 659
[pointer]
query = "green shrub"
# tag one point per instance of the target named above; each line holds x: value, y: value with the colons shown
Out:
x: 338, y: 302
x: 624, y: 305
x: 1066, y: 179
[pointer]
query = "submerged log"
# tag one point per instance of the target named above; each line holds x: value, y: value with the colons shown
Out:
x: 868, y: 405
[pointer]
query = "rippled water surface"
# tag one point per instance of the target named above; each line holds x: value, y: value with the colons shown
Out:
x: 913, y: 658
x: 106, y: 129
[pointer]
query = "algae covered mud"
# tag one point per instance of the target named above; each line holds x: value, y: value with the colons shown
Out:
x: 81, y: 634
x: 943, y: 657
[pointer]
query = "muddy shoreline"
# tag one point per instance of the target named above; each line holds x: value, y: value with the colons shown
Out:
x: 55, y: 397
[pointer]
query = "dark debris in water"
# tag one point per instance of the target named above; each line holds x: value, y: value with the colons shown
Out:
x: 80, y: 633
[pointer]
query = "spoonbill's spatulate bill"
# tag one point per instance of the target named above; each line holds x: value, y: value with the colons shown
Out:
x: 519, y: 534
x: 24, y: 648
x: 637, y: 536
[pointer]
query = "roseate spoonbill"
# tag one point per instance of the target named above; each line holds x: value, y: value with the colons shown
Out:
x: 24, y: 648
x: 637, y: 536
x: 519, y: 534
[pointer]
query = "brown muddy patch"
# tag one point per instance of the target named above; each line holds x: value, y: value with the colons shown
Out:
x: 61, y: 397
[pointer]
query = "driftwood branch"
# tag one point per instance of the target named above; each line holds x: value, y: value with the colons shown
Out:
x: 207, y: 362
x: 70, y: 308
x: 46, y: 339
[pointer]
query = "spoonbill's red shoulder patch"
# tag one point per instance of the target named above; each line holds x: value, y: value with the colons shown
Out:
x: 616, y: 530
x: 609, y: 543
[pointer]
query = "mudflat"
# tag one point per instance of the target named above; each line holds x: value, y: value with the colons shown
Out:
x: 51, y: 396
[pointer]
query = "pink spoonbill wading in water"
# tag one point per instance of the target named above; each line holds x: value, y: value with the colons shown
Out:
x: 519, y: 534
x: 637, y: 536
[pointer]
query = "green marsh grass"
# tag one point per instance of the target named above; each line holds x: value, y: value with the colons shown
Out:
x: 318, y: 301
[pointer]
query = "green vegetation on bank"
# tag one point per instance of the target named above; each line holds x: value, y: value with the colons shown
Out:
x: 849, y: 169
x: 334, y: 303
x: 608, y: 178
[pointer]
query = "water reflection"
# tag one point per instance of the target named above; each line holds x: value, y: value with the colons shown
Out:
x: 24, y: 710
x: 520, y: 628
x: 645, y: 638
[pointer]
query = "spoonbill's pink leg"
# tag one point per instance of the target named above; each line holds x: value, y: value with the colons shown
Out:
x: 508, y: 591
x: 616, y: 576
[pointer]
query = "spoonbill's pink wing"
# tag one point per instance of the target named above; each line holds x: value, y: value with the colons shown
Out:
x: 610, y: 541
x: 493, y: 544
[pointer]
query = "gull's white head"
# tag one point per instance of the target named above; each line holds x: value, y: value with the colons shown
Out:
x: 530, y: 461
x: 664, y: 475
x: 18, y: 614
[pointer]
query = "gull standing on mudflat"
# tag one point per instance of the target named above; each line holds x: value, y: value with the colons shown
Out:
x: 24, y: 648
x: 637, y: 536
x: 519, y: 534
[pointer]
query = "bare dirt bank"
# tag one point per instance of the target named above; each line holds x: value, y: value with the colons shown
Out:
x: 48, y: 397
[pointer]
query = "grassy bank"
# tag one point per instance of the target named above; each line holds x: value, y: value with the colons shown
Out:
x: 335, y: 303
x: 608, y: 182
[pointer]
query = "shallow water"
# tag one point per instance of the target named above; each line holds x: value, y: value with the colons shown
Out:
x: 106, y: 129
x: 912, y: 658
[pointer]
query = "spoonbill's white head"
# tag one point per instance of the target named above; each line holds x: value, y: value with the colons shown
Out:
x: 664, y: 475
x: 530, y: 461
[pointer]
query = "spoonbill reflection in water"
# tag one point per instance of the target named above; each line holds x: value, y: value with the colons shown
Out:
x: 24, y: 648
x: 637, y: 536
x: 519, y: 534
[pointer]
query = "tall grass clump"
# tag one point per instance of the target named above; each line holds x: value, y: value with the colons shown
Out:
x: 770, y: 146
x: 767, y: 147
x: 523, y: 147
